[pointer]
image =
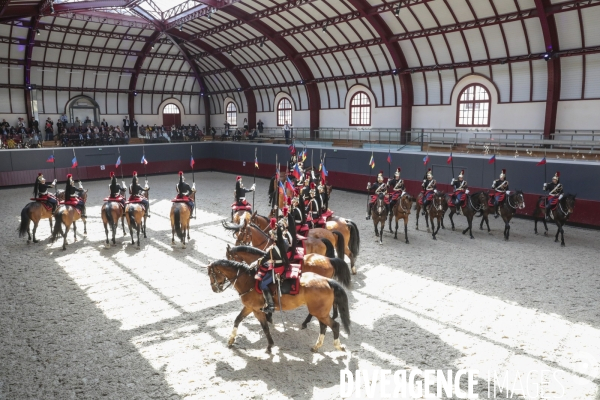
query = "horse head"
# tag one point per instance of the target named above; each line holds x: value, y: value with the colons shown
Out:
x: 569, y: 202
x: 520, y: 199
x: 482, y: 199
x: 244, y: 234
x: 380, y: 204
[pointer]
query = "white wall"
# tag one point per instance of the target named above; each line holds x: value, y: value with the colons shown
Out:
x: 578, y: 114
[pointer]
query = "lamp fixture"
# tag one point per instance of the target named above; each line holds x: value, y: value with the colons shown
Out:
x: 229, y: 52
x: 180, y: 27
x: 325, y: 27
x: 51, y: 8
x: 397, y: 11
x: 37, y: 31
x: 135, y: 93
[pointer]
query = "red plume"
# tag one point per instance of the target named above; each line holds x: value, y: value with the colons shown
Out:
x: 39, y: 174
x: 289, y: 201
x: 285, y: 211
x: 558, y: 173
x: 398, y: 169
x: 134, y: 173
x: 429, y: 170
x: 237, y: 178
x: 69, y: 176
x: 112, y: 174
x: 312, y: 185
x: 273, y: 223
x: 381, y: 172
x: 462, y: 171
x: 503, y: 171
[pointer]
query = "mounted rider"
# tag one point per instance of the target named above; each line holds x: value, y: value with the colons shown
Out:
x: 240, y: 192
x: 395, y: 188
x: 501, y: 189
x: 136, y: 196
x: 276, y: 257
x: 296, y: 213
x: 184, y: 190
x: 429, y: 185
x: 313, y: 210
x: 115, y: 189
x: 40, y: 191
x: 460, y: 191
x: 71, y: 195
x: 555, y: 191
x: 379, y: 189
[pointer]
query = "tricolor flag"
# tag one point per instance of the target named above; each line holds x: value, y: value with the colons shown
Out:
x: 426, y: 159
x: 372, y: 162
x: 51, y: 158
x: 303, y: 155
x: 492, y: 160
x: 192, y: 162
x: 256, y: 162
x: 289, y: 184
x: 118, y: 162
x: 74, y: 162
x: 542, y: 162
x: 389, y: 159
x: 324, y: 173
x: 144, y: 161
x: 292, y: 149
x: 283, y: 190
x: 449, y: 160
x: 297, y: 172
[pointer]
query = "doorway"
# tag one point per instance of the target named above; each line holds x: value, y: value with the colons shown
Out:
x: 171, y: 116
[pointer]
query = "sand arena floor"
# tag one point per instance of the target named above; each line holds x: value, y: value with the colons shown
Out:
x: 137, y: 324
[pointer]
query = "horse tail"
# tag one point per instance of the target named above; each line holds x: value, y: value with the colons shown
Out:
x: 354, y: 244
x: 177, y: 218
x: 109, y: 217
x: 340, y: 299
x: 131, y: 216
x: 57, y: 230
x: 341, y: 271
x: 24, y: 226
x: 329, y: 252
x: 340, y: 245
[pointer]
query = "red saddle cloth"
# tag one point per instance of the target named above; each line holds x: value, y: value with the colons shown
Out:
x: 462, y: 204
x: 118, y: 198
x: 327, y: 214
x: 135, y: 199
x: 291, y: 274
x: 492, y: 195
x: 553, y: 201
x: 183, y: 199
x: 43, y: 201
x: 245, y: 207
x: 302, y: 230
x: 374, y: 197
x: 393, y: 196
x: 72, y: 203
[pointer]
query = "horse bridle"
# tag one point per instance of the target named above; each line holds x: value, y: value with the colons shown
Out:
x: 510, y: 205
x: 218, y: 287
x: 472, y: 206
x: 566, y: 213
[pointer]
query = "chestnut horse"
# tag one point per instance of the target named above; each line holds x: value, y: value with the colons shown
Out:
x: 68, y: 215
x: 181, y: 215
x: 135, y: 215
x: 111, y: 212
x: 316, y: 292
x: 35, y: 212
x: 564, y: 209
x: 379, y: 214
x: 401, y: 210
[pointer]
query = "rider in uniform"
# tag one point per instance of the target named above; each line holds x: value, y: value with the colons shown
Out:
x: 460, y: 187
x: 136, y: 190
x: 40, y: 189
x: 555, y: 191
x: 395, y: 188
x: 312, y: 209
x: 184, y: 190
x: 276, y: 252
x: 378, y: 188
x: 296, y: 213
x: 240, y: 192
x: 71, y: 194
x: 428, y: 185
x: 501, y: 188
x: 115, y: 189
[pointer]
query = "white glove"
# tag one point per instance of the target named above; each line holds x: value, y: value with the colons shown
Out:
x: 54, y: 182
x: 146, y: 187
x: 467, y: 191
x: 368, y: 185
x: 80, y: 185
x: 507, y: 192
x: 435, y: 191
x: 452, y: 181
x: 194, y: 186
x: 123, y: 183
x: 560, y: 197
x: 253, y: 186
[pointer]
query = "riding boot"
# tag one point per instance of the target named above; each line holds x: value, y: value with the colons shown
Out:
x: 457, y: 206
x: 548, y: 212
x: 270, y: 304
x: 496, y: 206
x: 369, y: 211
x: 83, y: 213
x: 425, y: 204
x: 148, y: 210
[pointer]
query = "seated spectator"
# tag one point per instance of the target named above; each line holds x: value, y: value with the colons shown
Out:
x: 225, y: 135
x: 213, y: 132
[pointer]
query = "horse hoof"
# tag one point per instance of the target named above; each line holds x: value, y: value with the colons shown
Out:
x: 472, y: 237
x: 407, y: 242
x: 183, y: 247
x: 380, y: 242
x: 536, y: 233
x: 434, y: 238
x: 230, y: 342
x: 556, y: 241
x: 545, y: 233
x: 35, y: 241
x: 353, y: 270
x: 453, y: 229
x: 64, y: 248
x: 268, y: 351
x: 314, y: 349
x: 562, y: 245
x: 304, y: 326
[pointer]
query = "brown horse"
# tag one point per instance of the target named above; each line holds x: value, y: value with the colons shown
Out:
x: 436, y: 210
x: 316, y: 292
x: 564, y: 209
x: 513, y: 202
x: 111, y: 212
x: 136, y: 218
x: 476, y: 202
x: 181, y: 215
x: 379, y: 214
x: 401, y: 210
x: 349, y: 230
x: 68, y: 215
x: 250, y: 234
x: 35, y: 212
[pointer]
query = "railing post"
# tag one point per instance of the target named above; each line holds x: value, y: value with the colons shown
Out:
x: 422, y: 135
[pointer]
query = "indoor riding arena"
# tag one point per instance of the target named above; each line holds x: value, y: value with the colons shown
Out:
x: 304, y: 199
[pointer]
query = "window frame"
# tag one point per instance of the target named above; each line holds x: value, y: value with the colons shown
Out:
x: 459, y: 102
x: 171, y: 113
x: 360, y: 107
x: 278, y: 109
x: 234, y: 112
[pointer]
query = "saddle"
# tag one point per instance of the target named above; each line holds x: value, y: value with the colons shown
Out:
x: 72, y: 203
x: 183, y: 199
x: 43, y: 202
x: 553, y: 201
x: 492, y: 195
x: 135, y: 199
x: 290, y: 280
x: 463, y: 203
x: 246, y: 207
x: 118, y: 200
x: 302, y: 229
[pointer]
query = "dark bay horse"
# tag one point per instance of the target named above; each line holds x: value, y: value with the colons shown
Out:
x: 181, y: 215
x: 476, y: 202
x: 379, y: 214
x: 316, y: 292
x: 35, y: 212
x: 436, y: 210
x: 513, y: 202
x: 136, y: 218
x: 112, y: 212
x: 564, y: 209
x: 401, y: 210
x: 68, y: 215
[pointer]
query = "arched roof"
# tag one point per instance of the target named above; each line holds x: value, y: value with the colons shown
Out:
x: 407, y: 52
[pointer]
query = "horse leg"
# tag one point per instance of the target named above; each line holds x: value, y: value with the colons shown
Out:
x: 451, y: 221
x: 262, y: 318
x: 138, y: 235
x: 84, y: 226
x: 183, y: 236
x: 335, y: 327
x: 74, y: 231
x: 381, y: 232
x: 145, y: 237
x: 418, y: 212
x: 321, y: 338
x: 306, y: 321
x: 106, y: 232
x: 396, y: 233
x: 506, y: 230
x: 375, y: 227
x: 545, y: 227
x: 67, y: 227
x: 535, y: 220
x: 35, y: 225
x: 406, y: 229
x: 123, y: 224
x: 562, y: 235
x: 390, y: 223
x: 470, y: 227
x: 243, y: 314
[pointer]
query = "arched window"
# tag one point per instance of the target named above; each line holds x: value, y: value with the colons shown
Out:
x: 473, y: 106
x: 171, y: 109
x: 231, y: 114
x: 360, y: 110
x: 284, y: 112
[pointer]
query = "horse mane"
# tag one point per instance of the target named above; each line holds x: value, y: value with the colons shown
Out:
x: 238, y: 266
x: 253, y: 225
x: 248, y: 249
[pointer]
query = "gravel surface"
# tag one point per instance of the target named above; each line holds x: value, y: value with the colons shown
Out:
x: 122, y: 323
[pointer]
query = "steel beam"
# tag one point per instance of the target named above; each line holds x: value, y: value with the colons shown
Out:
x: 136, y: 73
x: 27, y: 70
